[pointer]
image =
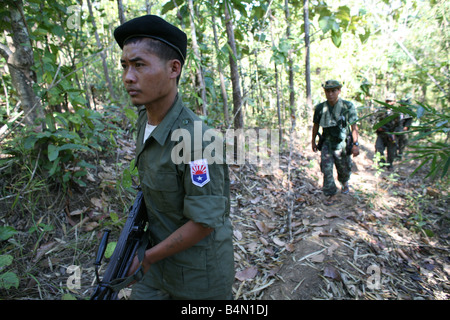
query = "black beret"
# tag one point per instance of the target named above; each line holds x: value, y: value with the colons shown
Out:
x: 151, y: 26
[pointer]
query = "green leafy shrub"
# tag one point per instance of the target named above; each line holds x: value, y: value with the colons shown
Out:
x: 8, y: 279
x: 63, y: 149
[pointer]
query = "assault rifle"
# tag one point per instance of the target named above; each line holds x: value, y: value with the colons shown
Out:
x: 348, y: 141
x: 133, y: 239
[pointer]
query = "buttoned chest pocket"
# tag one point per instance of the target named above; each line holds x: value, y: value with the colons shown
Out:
x: 165, y: 191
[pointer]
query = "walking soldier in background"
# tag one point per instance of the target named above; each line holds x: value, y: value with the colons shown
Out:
x: 338, y: 141
x: 386, y: 139
x: 405, y: 121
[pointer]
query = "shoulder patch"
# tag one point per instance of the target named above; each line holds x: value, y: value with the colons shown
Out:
x: 199, y: 172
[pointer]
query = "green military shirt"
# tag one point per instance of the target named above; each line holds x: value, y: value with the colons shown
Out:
x: 327, y: 117
x: 172, y: 199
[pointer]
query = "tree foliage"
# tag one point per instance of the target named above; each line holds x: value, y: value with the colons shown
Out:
x: 373, y: 47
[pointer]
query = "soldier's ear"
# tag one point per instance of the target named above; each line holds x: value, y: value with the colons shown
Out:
x: 175, y: 68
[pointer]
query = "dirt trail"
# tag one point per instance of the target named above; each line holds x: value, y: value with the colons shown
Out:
x: 288, y: 245
x: 363, y: 247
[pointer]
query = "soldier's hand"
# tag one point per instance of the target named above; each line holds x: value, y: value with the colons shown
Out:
x: 314, y: 146
x: 355, y: 151
x: 135, y: 266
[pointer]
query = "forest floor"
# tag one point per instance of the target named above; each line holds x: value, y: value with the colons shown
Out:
x: 387, y: 239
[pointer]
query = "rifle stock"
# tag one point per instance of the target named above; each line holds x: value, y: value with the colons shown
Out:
x: 131, y: 238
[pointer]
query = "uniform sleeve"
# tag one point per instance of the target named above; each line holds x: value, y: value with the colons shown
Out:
x: 352, y: 115
x: 317, y: 114
x: 209, y: 204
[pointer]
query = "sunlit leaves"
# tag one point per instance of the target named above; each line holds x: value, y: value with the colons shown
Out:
x: 328, y: 23
x: 363, y: 37
x: 339, y: 22
x: 336, y: 37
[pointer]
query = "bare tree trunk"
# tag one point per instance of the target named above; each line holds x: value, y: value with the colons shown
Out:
x: 307, y: 64
x: 221, y: 77
x: 102, y: 54
x: 291, y: 68
x: 148, y: 6
x: 280, y: 130
x: 121, y: 12
x: 196, y: 49
x: 261, y: 109
x: 19, y: 58
x: 235, y: 79
x: 277, y: 87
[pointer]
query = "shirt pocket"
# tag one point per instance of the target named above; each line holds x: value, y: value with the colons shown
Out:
x: 163, y: 188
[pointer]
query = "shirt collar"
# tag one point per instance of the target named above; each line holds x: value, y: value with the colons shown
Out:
x: 162, y: 131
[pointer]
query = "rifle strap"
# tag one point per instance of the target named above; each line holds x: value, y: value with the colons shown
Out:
x: 120, y: 283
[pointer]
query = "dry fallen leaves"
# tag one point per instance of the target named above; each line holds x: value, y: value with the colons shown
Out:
x: 332, y: 273
x: 246, y: 274
x: 43, y: 249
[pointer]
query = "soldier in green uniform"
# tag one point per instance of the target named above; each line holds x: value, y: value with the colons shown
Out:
x: 385, y: 137
x: 191, y: 252
x: 404, y: 123
x: 337, y: 118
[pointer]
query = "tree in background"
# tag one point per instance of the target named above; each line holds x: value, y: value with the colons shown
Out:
x: 254, y: 53
x: 18, y: 54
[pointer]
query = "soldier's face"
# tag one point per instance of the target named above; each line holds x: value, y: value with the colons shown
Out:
x: 147, y: 78
x: 332, y: 95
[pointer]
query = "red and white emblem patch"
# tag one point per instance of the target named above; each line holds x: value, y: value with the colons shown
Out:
x: 199, y: 172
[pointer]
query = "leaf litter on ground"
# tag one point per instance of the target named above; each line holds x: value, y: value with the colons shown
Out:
x: 369, y: 246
